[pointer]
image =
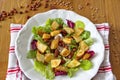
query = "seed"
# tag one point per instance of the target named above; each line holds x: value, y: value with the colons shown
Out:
x: 87, y: 4
x: 26, y: 11
x: 37, y: 6
x: 91, y: 7
x: 47, y: 0
x: 2, y: 19
x: 21, y: 12
x: 3, y: 11
x: 27, y: 6
x: 21, y: 6
x: 4, y: 16
x: 53, y: 7
x: 46, y: 5
x: 28, y: 17
x: 10, y: 17
x: 80, y: 7
x: 31, y: 2
x: 0, y: 15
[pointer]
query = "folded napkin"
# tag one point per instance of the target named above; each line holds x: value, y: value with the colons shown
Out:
x: 14, y: 72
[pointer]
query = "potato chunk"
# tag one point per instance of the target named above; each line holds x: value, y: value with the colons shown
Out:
x: 86, y: 56
x: 54, y: 33
x: 79, y: 54
x: 54, y: 25
x: 54, y: 44
x: 68, y: 30
x: 67, y: 40
x: 77, y: 38
x: 46, y: 36
x: 48, y: 57
x: 55, y: 63
x: 40, y: 57
x: 41, y: 47
x: 61, y: 68
x: 78, y: 31
x: 73, y: 63
x: 83, y: 46
x: 65, y: 52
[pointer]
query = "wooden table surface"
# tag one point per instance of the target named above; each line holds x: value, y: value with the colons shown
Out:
x: 98, y: 11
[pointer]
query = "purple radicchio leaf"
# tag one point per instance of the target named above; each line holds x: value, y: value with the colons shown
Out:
x: 60, y: 73
x: 92, y: 53
x: 70, y: 24
x: 33, y: 44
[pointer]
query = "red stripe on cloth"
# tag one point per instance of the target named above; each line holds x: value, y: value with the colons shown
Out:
x: 13, y: 71
x: 11, y: 48
x: 103, y: 28
x: 19, y: 72
x: 106, y: 46
x: 104, y: 69
x: 15, y: 29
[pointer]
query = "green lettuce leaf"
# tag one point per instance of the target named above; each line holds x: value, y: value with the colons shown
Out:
x: 89, y: 41
x: 39, y: 38
x: 47, y: 29
x: 49, y: 21
x: 79, y: 24
x: 73, y: 42
x: 44, y: 70
x: 85, y: 35
x: 86, y: 64
x: 72, y: 71
x: 36, y: 29
x: 59, y: 21
x: 72, y: 46
x: 49, y: 73
x: 31, y: 54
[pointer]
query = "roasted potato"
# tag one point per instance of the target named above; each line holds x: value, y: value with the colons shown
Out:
x: 86, y: 56
x: 83, y: 46
x: 65, y: 52
x: 78, y: 31
x: 61, y: 68
x: 73, y: 63
x: 55, y: 63
x: 68, y: 30
x: 79, y: 54
x: 40, y: 57
x: 54, y: 25
x: 41, y: 47
x: 54, y: 33
x: 48, y: 57
x: 77, y: 38
x: 46, y: 36
x: 67, y: 40
x: 54, y: 44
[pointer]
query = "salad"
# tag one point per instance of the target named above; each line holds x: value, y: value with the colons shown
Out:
x: 61, y: 48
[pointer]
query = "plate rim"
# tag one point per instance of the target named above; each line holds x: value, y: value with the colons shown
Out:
x: 46, y: 13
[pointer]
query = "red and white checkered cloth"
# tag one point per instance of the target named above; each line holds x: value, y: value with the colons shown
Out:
x: 14, y: 72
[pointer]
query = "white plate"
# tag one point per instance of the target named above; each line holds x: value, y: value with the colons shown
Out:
x: 24, y: 37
